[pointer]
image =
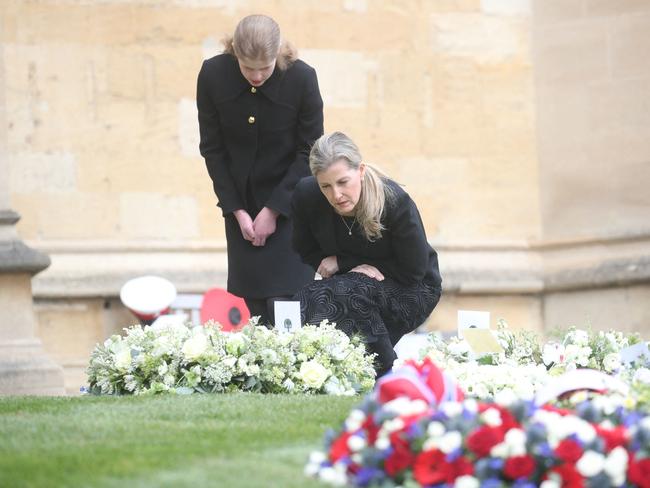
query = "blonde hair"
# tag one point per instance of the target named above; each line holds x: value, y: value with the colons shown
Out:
x: 257, y: 37
x: 375, y: 194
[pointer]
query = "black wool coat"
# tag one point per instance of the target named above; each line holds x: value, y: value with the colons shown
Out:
x: 256, y: 142
x: 402, y: 253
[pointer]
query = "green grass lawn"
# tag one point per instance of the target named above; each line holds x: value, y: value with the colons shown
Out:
x: 235, y: 440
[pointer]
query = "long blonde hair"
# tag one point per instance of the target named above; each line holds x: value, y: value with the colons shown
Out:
x: 375, y: 193
x: 257, y: 37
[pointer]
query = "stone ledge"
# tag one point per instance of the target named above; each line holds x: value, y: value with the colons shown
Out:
x: 16, y: 257
x: 99, y: 269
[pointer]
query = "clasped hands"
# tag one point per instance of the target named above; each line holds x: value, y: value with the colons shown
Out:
x: 329, y: 266
x: 258, y: 230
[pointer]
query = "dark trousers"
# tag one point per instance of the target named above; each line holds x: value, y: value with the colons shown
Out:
x: 264, y: 307
x: 381, y: 312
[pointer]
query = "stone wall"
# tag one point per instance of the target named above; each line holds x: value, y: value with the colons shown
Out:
x: 520, y: 128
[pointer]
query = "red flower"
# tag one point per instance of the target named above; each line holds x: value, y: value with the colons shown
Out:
x: 569, y: 451
x: 339, y: 447
x: 371, y: 428
x: 431, y: 467
x: 401, y: 458
x: 560, y: 411
x: 613, y: 437
x: 638, y: 472
x: 482, y: 440
x: 570, y: 476
x: 519, y: 467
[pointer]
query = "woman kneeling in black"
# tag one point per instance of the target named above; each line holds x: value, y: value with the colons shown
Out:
x: 363, y: 234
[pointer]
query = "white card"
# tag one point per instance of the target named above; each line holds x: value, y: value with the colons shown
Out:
x: 471, y: 319
x: 635, y: 352
x: 287, y: 316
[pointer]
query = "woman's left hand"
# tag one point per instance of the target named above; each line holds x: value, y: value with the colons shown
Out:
x: 264, y: 225
x: 368, y: 270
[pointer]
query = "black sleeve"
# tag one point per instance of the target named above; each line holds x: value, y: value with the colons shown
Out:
x: 309, y: 128
x: 213, y: 149
x: 408, y: 242
x: 304, y: 242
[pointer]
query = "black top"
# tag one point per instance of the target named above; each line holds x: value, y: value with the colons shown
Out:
x: 256, y: 147
x: 256, y: 141
x: 402, y: 253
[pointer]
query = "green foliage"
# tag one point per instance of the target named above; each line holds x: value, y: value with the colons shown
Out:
x: 238, y: 440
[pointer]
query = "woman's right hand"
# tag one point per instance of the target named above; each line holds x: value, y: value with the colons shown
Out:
x: 245, y: 224
x: 368, y: 270
x: 328, y: 267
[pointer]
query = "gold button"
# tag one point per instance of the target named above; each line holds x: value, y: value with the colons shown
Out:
x: 253, y: 89
x: 251, y: 120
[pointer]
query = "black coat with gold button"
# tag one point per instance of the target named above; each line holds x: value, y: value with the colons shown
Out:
x: 256, y: 143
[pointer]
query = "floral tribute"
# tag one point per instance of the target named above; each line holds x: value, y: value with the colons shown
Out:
x: 525, y: 366
x: 184, y: 359
x: 400, y: 437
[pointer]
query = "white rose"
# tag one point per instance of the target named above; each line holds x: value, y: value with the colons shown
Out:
x: 313, y: 374
x: 553, y: 353
x: 583, y: 358
x: 123, y: 358
x: 162, y: 369
x: 195, y: 346
x: 333, y: 386
x: 235, y: 343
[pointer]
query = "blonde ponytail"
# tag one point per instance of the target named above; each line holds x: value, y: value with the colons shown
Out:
x: 375, y: 193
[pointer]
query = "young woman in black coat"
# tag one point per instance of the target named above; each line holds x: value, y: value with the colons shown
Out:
x: 260, y: 110
x: 363, y: 234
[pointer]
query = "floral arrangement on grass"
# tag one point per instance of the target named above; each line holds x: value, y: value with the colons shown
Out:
x: 525, y: 366
x: 410, y: 433
x: 185, y: 359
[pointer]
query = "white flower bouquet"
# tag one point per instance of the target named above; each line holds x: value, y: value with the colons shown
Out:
x: 525, y: 366
x: 185, y: 359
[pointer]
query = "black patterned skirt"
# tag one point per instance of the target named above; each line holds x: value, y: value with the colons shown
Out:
x: 362, y: 305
